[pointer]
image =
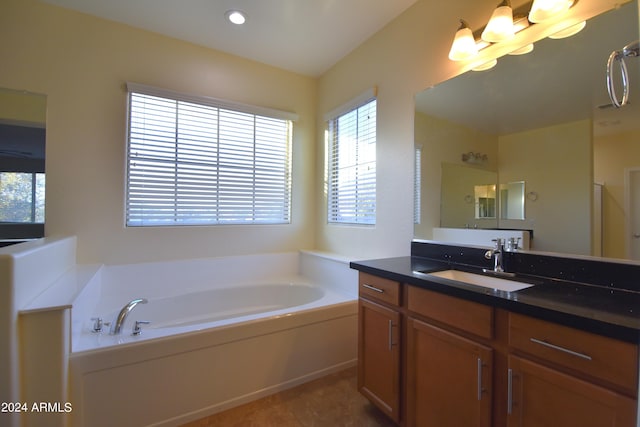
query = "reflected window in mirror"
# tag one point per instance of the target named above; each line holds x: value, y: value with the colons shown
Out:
x: 417, y: 185
x: 22, y: 166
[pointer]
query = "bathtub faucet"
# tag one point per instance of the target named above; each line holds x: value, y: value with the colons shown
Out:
x: 116, y: 325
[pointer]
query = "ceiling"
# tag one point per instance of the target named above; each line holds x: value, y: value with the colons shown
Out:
x: 303, y: 36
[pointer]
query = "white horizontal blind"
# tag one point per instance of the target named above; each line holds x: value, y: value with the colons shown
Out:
x: 199, y: 164
x: 352, y: 166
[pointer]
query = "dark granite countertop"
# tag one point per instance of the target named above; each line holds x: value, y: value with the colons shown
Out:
x: 606, y: 311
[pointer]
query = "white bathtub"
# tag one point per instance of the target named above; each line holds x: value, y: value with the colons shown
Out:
x: 207, y: 309
x: 241, y: 302
x: 226, y: 335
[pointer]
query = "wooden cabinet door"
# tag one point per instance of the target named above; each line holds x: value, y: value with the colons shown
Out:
x: 449, y: 378
x: 379, y: 356
x: 543, y: 397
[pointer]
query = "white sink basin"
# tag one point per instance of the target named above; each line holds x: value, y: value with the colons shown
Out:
x: 480, y: 280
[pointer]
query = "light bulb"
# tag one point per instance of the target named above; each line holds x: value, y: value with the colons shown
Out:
x: 500, y: 26
x: 464, y: 44
x: 541, y: 10
x: 236, y: 17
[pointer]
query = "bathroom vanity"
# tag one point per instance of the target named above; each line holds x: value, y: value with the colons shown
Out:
x: 439, y: 350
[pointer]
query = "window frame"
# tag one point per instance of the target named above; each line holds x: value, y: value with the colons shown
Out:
x: 35, y: 203
x: 257, y: 193
x: 349, y: 206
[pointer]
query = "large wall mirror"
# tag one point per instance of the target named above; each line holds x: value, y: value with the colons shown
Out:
x: 22, y: 165
x: 562, y: 158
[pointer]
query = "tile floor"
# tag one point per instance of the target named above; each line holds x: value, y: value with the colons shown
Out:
x: 331, y: 401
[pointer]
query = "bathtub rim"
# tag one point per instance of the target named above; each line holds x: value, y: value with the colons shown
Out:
x: 81, y: 332
x: 84, y: 364
x: 142, y: 350
x: 93, y: 363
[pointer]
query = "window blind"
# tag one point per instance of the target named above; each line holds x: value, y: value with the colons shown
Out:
x: 196, y: 163
x: 352, y: 166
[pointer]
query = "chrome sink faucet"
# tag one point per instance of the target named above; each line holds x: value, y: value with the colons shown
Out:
x: 116, y: 325
x: 497, y: 256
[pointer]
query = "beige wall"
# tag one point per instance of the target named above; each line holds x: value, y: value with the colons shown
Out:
x: 445, y: 142
x: 613, y: 154
x: 404, y: 58
x: 81, y: 63
x: 556, y: 163
x: 407, y: 56
x: 19, y: 107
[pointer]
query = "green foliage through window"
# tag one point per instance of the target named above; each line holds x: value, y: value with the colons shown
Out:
x: 22, y: 197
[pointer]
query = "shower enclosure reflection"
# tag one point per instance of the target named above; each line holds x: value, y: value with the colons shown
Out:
x: 512, y: 200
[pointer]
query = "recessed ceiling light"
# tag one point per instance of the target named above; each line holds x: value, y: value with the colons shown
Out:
x: 236, y: 17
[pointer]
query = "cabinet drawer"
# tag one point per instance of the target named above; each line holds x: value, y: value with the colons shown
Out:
x: 380, y: 289
x: 608, y: 359
x: 462, y: 314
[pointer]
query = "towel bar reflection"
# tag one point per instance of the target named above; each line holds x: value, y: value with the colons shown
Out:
x: 629, y: 51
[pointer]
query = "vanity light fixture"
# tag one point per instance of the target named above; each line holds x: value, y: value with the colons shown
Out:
x: 569, y: 31
x: 541, y: 10
x: 236, y: 17
x: 464, y: 44
x: 523, y: 50
x: 476, y: 158
x: 483, y: 67
x: 505, y: 24
x: 520, y: 22
x: 500, y: 26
